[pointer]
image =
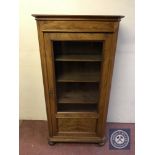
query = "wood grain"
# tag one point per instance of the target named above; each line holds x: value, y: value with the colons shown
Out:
x: 78, y: 26
x: 72, y: 36
x: 76, y: 125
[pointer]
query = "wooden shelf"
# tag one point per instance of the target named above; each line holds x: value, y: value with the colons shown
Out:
x: 80, y: 96
x: 78, y: 77
x: 77, y: 107
x: 77, y: 57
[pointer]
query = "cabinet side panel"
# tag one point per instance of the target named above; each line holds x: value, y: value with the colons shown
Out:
x: 45, y: 79
x: 106, y: 78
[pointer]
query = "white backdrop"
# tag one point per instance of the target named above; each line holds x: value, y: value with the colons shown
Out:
x: 32, y: 104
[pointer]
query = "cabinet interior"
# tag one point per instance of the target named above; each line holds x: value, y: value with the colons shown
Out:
x: 77, y: 72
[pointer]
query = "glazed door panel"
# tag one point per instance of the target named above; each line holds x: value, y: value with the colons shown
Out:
x: 76, y: 63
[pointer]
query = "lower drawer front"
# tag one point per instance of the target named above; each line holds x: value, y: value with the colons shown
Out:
x: 76, y: 125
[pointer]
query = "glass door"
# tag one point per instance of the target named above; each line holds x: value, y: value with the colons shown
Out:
x: 77, y: 71
x: 77, y: 74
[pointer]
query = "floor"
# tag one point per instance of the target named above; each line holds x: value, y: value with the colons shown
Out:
x: 33, y: 141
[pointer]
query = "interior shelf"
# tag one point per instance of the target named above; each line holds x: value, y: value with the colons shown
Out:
x: 77, y: 93
x: 77, y: 71
x: 78, y: 77
x: 77, y: 57
x: 77, y: 107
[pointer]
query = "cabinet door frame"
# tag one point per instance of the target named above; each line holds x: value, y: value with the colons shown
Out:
x: 109, y: 44
x: 106, y: 80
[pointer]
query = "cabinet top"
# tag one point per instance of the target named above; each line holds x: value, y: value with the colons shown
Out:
x: 78, y: 17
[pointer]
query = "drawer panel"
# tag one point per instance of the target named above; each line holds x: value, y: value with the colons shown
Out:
x: 76, y: 125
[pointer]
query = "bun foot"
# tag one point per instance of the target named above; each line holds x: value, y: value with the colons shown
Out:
x: 51, y: 143
x: 102, y: 143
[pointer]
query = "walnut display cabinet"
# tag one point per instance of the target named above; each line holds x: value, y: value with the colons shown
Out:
x: 77, y: 58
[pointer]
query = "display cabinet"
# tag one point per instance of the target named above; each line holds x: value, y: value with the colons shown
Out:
x: 77, y: 57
